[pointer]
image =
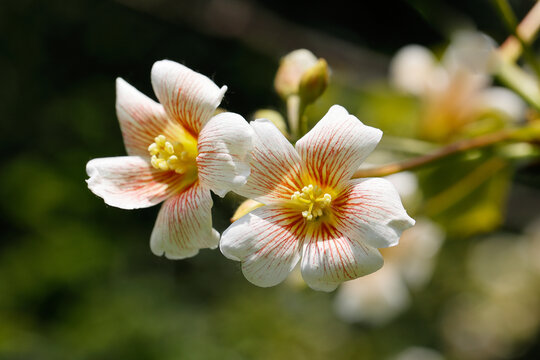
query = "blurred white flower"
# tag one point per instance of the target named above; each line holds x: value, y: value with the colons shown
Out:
x: 415, y: 69
x: 456, y: 90
x: 418, y: 353
x: 406, y: 184
x: 379, y: 297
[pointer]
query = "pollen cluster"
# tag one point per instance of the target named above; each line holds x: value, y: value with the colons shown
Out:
x: 167, y: 155
x: 312, y: 200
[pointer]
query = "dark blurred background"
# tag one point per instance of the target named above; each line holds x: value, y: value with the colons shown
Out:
x: 77, y: 278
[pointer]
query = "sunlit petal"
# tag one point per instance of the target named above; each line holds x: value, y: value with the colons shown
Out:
x: 329, y: 258
x: 370, y: 210
x: 334, y: 149
x: 187, y: 96
x: 184, y: 225
x: 130, y: 182
x: 275, y: 166
x: 141, y: 118
x: 267, y: 242
x: 224, y: 153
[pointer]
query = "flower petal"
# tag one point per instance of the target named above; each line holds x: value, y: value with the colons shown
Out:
x: 184, y: 225
x: 334, y: 149
x: 129, y: 182
x: 141, y: 118
x: 329, y: 258
x: 224, y: 147
x: 187, y: 96
x: 503, y: 100
x: 275, y: 166
x: 472, y: 51
x: 267, y: 242
x: 415, y: 256
x: 371, y: 210
x: 413, y: 69
x: 375, y: 299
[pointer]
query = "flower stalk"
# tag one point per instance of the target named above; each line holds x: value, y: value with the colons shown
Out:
x: 294, y: 114
x: 511, y: 22
x: 528, y: 134
x: 527, y: 31
x: 523, y: 35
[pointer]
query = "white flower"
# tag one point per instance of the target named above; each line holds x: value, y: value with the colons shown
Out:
x: 177, y: 153
x: 457, y: 90
x: 313, y: 210
x: 379, y: 297
x: 418, y: 353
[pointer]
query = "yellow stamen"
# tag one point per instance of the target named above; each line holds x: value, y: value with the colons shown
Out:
x: 170, y: 155
x: 312, y: 201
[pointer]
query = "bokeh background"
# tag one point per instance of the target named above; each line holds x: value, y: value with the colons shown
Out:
x: 77, y: 278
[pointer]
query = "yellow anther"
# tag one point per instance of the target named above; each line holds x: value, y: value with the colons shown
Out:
x: 160, y: 140
x: 153, y: 149
x: 169, y: 147
x: 312, y: 201
x: 163, y: 165
x: 169, y: 155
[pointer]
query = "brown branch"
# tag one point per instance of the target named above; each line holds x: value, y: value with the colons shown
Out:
x: 460, y: 146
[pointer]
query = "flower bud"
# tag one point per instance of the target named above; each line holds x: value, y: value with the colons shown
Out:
x: 291, y: 69
x: 245, y: 208
x: 275, y: 117
x: 314, y: 82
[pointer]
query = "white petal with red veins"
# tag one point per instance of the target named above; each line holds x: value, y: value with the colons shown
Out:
x: 267, y: 242
x: 141, y: 118
x: 224, y: 148
x: 184, y: 225
x: 334, y: 149
x: 370, y: 210
x: 275, y: 166
x: 329, y: 258
x: 188, y: 97
x: 130, y: 182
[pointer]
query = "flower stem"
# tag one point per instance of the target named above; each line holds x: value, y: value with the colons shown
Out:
x: 527, y: 30
x: 293, y: 115
x: 521, y: 82
x: 460, y: 146
x: 511, y: 22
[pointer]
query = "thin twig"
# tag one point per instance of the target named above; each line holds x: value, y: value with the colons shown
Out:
x: 460, y: 146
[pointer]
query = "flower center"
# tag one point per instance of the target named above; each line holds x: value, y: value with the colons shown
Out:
x: 312, y: 200
x: 170, y: 155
